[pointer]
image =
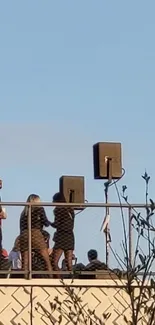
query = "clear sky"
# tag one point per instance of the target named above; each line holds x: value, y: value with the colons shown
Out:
x: 73, y: 73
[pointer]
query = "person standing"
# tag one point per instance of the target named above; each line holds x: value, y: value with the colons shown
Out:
x: 15, y: 255
x: 3, y: 216
x: 64, y: 235
x: 38, y: 221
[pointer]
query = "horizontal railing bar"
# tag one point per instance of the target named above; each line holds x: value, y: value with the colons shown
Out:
x: 77, y: 205
x: 12, y: 272
x: 72, y: 272
x: 54, y: 272
x: 100, y: 272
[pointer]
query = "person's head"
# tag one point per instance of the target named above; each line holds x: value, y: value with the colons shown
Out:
x: 33, y: 198
x: 92, y: 255
x: 59, y: 197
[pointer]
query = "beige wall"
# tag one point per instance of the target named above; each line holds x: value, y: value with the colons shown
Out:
x: 19, y: 299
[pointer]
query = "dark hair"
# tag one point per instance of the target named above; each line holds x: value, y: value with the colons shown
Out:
x: 59, y: 197
x: 92, y: 254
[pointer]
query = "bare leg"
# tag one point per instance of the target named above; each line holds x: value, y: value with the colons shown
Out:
x: 0, y: 248
x: 68, y: 258
x: 56, y: 255
x: 45, y: 255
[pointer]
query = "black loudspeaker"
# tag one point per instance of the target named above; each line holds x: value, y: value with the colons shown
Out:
x: 72, y: 188
x: 105, y: 153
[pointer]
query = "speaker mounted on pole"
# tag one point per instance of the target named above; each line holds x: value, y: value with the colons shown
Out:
x: 73, y: 189
x: 107, y: 158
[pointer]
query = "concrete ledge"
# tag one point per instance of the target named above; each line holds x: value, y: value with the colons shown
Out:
x: 58, y: 283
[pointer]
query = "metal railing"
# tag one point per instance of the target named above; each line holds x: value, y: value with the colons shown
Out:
x: 77, y: 206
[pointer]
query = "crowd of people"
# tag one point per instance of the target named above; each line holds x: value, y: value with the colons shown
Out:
x: 43, y: 257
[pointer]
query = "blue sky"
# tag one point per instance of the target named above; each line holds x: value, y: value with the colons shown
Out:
x: 73, y: 73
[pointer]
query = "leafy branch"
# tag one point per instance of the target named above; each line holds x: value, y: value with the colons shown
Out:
x: 140, y: 272
x: 72, y: 308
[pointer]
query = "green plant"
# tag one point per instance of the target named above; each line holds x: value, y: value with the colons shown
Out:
x: 140, y: 285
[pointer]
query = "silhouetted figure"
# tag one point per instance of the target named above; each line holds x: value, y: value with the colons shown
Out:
x: 15, y: 255
x: 38, y: 220
x: 16, y: 259
x: 64, y: 235
x: 94, y: 264
x: 3, y: 215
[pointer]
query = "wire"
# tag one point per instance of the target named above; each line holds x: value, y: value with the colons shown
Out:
x: 117, y: 180
x: 112, y: 183
x: 108, y: 184
x: 86, y: 201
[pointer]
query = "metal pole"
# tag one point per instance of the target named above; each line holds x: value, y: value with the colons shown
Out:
x: 29, y: 244
x: 107, y: 230
x: 130, y: 237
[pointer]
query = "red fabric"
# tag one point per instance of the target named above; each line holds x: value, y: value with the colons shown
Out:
x: 4, y: 253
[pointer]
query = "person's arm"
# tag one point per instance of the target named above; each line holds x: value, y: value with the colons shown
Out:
x: 71, y: 211
x: 53, y: 224
x: 3, y: 214
x: 44, y: 219
x: 57, y: 219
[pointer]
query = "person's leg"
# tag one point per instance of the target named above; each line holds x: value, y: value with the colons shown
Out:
x: 0, y: 248
x: 56, y: 255
x: 68, y: 259
x: 38, y: 244
x: 23, y: 247
x: 45, y: 255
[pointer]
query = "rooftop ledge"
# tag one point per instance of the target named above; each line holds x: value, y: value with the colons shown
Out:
x: 58, y: 283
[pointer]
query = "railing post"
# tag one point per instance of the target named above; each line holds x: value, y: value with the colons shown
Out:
x: 29, y: 244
